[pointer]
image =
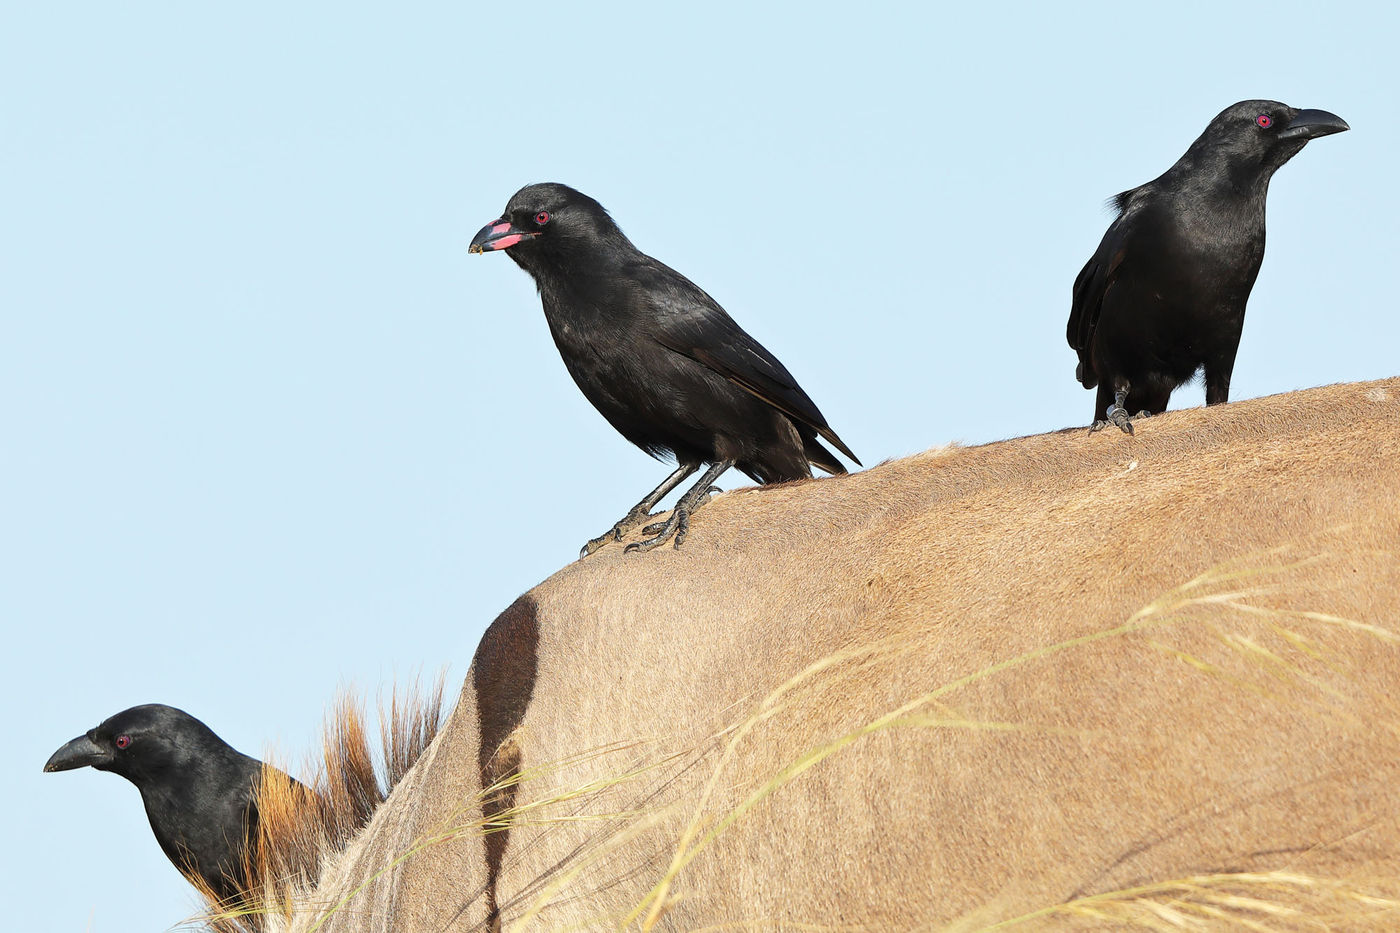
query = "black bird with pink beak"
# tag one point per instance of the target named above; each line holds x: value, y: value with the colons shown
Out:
x: 658, y: 358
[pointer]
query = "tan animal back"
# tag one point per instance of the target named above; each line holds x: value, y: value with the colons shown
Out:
x: 1064, y: 679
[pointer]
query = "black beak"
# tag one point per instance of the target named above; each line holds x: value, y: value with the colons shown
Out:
x: 1310, y: 124
x: 498, y: 234
x: 82, y: 752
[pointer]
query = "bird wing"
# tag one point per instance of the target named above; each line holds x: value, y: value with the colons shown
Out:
x: 693, y: 324
x: 1093, y: 283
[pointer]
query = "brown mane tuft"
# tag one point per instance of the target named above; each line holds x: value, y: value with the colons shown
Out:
x: 300, y: 825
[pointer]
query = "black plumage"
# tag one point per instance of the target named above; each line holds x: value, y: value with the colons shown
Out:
x: 658, y: 357
x: 1164, y: 294
x: 200, y: 794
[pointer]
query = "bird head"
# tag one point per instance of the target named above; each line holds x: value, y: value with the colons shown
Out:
x: 1264, y: 134
x: 138, y: 743
x: 547, y: 219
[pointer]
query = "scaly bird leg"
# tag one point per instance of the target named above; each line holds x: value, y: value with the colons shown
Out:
x: 655, y: 529
x: 1117, y: 414
x: 678, y: 525
x: 641, y: 511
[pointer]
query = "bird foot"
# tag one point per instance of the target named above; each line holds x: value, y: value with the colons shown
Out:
x: 677, y: 526
x: 1120, y: 418
x: 617, y: 532
x: 595, y: 543
x: 656, y: 528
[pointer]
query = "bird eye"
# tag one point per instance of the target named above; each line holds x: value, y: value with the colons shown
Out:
x: 542, y: 218
x: 123, y: 741
x: 1264, y: 120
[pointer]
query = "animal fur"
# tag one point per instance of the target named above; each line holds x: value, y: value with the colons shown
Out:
x: 303, y: 825
x: 1053, y: 682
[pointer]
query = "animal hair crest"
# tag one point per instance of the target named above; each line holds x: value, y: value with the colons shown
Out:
x: 302, y: 825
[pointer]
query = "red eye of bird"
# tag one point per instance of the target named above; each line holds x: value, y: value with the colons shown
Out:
x: 542, y: 218
x: 123, y: 741
x: 1264, y: 120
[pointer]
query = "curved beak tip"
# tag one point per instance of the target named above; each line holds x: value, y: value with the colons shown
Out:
x: 497, y: 235
x: 1310, y: 124
x: 81, y: 752
x: 493, y: 236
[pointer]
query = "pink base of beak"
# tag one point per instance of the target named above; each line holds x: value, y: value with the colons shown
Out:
x: 505, y: 242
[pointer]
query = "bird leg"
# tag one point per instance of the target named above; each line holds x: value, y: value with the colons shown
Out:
x: 678, y: 525
x: 655, y: 528
x: 1117, y: 413
x: 1218, y: 383
x: 641, y: 511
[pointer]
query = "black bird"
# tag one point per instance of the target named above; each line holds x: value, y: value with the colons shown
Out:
x: 199, y: 793
x: 659, y: 358
x: 1164, y: 295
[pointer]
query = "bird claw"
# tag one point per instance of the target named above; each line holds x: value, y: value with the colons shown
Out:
x: 614, y: 533
x: 594, y: 544
x: 617, y: 532
x: 658, y: 529
x: 677, y: 526
x: 1118, y: 417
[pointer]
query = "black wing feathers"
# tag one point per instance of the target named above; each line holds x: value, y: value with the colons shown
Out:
x: 693, y: 324
x: 1090, y: 287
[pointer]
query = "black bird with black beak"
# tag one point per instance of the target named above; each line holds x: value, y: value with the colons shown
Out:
x: 1164, y: 295
x: 659, y: 358
x: 198, y: 791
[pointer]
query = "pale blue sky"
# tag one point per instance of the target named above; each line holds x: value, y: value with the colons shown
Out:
x: 269, y: 429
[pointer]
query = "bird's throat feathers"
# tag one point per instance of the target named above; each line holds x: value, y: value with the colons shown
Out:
x: 559, y: 260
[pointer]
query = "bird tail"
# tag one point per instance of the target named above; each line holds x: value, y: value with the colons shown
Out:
x: 822, y: 458
x: 839, y: 444
x: 1087, y: 377
x: 299, y: 825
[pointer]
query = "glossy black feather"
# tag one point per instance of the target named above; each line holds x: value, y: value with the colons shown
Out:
x: 656, y: 355
x: 199, y: 793
x: 1164, y: 294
